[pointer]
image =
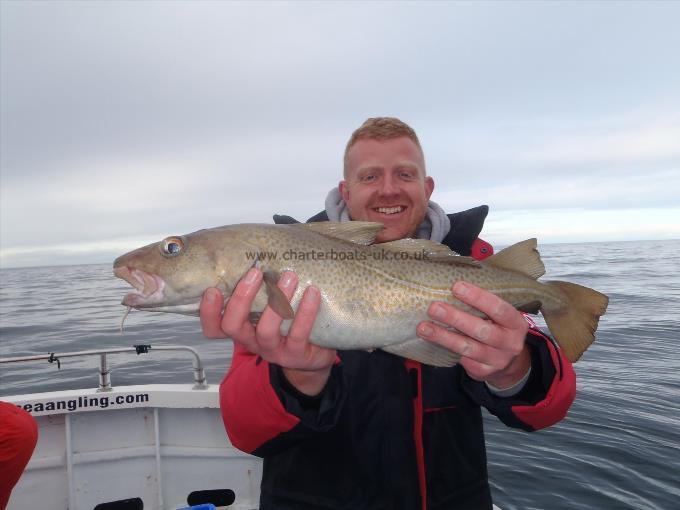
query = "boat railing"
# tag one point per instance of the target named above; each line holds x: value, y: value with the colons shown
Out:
x: 200, y: 381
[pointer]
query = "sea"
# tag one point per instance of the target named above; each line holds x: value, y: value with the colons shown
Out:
x: 618, y: 447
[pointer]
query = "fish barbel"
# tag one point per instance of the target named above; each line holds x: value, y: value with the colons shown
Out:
x: 372, y: 295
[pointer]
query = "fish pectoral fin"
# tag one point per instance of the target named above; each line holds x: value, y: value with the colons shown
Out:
x: 276, y: 299
x: 358, y: 232
x: 426, y: 352
x: 522, y: 257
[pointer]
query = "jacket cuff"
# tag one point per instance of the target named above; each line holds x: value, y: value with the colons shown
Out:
x: 546, y: 395
x: 319, y: 413
x: 561, y: 390
x: 251, y: 410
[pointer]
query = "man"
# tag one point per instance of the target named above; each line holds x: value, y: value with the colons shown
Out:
x: 360, y: 430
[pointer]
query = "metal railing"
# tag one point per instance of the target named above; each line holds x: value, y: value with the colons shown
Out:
x: 200, y: 381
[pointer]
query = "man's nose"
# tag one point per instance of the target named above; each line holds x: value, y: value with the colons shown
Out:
x: 388, y: 186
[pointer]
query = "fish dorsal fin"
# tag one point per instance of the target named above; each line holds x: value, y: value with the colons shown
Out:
x: 522, y: 257
x: 420, y: 245
x: 358, y: 232
x: 425, y: 249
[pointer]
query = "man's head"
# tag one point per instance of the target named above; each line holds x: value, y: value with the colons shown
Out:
x: 385, y: 179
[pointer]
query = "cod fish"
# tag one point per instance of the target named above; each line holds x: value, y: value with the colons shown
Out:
x: 372, y: 295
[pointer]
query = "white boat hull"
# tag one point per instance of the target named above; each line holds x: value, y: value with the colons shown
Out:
x: 155, y: 442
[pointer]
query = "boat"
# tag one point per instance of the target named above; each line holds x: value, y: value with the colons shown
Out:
x: 149, y: 446
x: 114, y: 446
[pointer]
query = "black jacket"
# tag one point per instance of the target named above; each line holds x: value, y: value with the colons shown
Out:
x: 386, y: 433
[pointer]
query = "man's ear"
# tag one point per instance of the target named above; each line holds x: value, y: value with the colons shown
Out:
x: 344, y: 190
x: 429, y: 186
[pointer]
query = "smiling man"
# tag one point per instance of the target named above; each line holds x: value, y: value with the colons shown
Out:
x: 385, y: 182
x: 371, y: 430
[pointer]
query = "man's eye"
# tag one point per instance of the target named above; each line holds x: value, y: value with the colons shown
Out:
x: 407, y: 175
x: 368, y: 178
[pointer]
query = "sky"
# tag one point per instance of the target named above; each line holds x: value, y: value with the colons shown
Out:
x: 125, y: 122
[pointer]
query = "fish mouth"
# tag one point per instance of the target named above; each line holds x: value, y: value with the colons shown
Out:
x: 148, y: 287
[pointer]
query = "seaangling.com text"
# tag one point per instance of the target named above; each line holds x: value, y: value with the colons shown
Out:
x: 83, y: 402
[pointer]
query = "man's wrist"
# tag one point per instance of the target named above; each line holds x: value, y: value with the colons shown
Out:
x: 512, y: 390
x: 308, y: 382
x: 515, y: 373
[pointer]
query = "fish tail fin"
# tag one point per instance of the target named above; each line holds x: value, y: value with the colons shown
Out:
x: 573, y: 326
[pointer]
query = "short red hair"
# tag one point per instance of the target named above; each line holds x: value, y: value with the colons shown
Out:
x: 381, y: 128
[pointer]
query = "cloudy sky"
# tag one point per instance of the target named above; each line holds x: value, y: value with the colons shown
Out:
x: 124, y: 122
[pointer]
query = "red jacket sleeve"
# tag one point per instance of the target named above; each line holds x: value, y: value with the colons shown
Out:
x: 264, y: 414
x: 252, y: 411
x: 545, y: 398
x: 560, y: 393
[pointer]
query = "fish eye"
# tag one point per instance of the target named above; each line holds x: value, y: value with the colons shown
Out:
x: 172, y: 246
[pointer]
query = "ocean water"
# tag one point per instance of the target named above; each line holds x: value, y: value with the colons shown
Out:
x: 618, y: 448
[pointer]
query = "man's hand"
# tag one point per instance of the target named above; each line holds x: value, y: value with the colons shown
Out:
x: 306, y: 366
x: 493, y: 349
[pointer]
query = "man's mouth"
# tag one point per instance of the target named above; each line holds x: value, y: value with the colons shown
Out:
x: 390, y: 210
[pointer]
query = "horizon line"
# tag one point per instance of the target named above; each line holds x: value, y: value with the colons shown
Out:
x: 500, y: 246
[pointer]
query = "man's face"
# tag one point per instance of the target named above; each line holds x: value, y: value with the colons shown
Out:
x: 386, y: 183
